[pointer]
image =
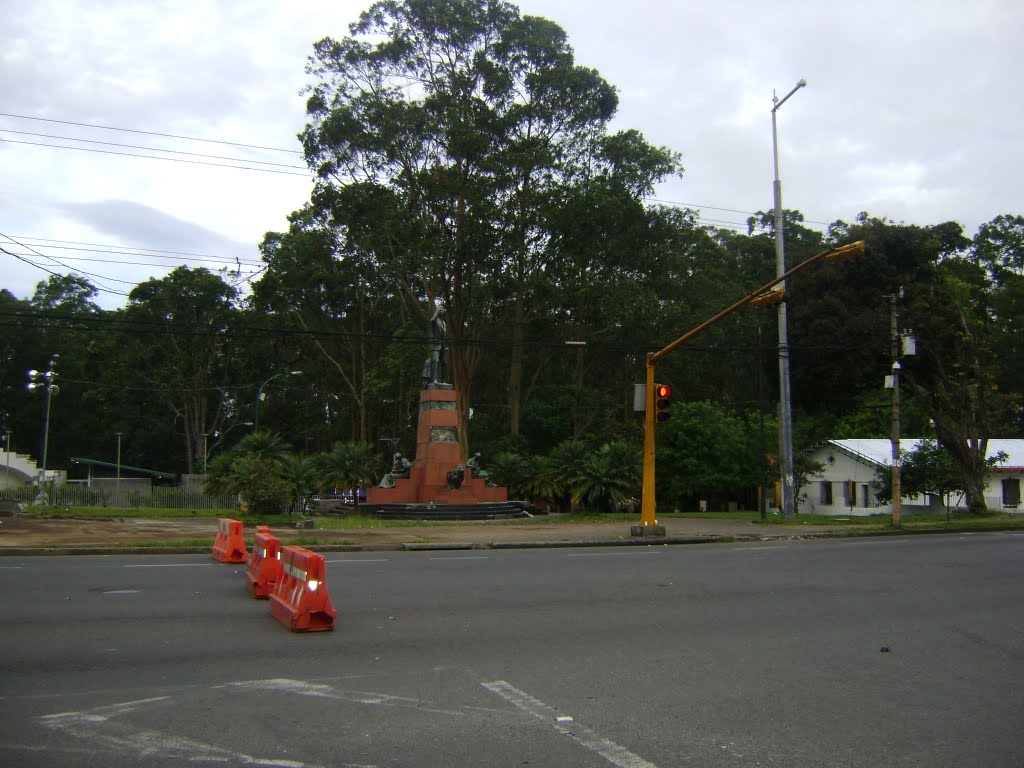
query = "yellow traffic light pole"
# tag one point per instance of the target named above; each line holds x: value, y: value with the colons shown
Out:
x: 764, y: 295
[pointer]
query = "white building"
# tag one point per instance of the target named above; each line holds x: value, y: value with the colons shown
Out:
x: 18, y: 470
x: 847, y: 485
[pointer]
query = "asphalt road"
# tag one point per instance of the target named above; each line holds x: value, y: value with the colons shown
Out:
x: 905, y: 651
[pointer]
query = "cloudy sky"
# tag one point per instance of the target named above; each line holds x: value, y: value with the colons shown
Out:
x: 912, y: 111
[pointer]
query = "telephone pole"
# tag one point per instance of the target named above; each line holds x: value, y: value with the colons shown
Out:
x: 894, y: 346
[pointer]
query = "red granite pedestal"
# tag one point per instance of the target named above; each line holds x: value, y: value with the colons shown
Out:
x: 437, y: 453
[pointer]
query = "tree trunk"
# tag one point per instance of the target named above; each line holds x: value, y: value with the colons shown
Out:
x: 515, y: 369
x: 970, y: 455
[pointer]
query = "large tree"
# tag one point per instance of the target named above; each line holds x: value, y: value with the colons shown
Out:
x: 443, y: 133
x: 176, y: 353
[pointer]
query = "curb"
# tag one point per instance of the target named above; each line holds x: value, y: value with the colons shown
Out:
x: 565, y: 543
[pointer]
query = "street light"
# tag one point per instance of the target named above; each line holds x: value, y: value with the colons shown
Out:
x: 788, y: 480
x: 7, y: 447
x: 220, y: 437
x: 259, y: 394
x: 46, y: 379
x: 117, y: 491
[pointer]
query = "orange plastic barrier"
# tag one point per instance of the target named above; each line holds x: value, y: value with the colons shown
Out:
x: 300, y: 600
x: 229, y: 546
x: 264, y: 564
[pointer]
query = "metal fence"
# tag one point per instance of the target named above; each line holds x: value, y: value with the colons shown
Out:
x: 72, y: 495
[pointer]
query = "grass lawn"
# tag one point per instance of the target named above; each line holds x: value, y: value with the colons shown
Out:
x: 958, y: 521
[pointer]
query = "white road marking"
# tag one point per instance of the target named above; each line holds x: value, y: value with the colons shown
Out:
x: 170, y: 565
x: 318, y: 690
x: 121, y: 592
x: 10, y: 567
x: 467, y: 557
x: 616, y: 755
x: 358, y: 562
x: 861, y: 541
x: 613, y: 554
x: 98, y: 725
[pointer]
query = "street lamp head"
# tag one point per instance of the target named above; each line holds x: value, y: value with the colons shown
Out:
x: 295, y: 373
x: 801, y: 83
x: 845, y: 252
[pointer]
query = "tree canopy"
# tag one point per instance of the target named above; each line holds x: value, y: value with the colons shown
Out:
x: 464, y: 159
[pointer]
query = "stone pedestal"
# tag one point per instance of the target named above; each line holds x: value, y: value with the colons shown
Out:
x: 437, y: 453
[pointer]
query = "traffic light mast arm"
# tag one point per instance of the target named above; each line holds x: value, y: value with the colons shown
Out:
x: 647, y: 502
x: 841, y: 253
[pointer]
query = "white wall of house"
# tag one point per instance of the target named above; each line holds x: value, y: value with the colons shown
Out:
x: 846, y: 485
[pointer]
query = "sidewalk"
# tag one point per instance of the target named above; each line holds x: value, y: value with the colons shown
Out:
x: 28, y: 535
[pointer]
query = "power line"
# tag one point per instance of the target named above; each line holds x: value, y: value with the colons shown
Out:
x: 139, y: 249
x: 165, y: 255
x: 257, y: 268
x: 151, y: 149
x: 99, y: 286
x: 149, y: 133
x: 29, y: 262
x: 154, y: 157
x: 728, y: 210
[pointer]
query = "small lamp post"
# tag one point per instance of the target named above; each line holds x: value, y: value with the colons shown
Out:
x: 259, y: 394
x: 117, y: 491
x: 7, y: 450
x: 219, y: 436
x: 46, y: 379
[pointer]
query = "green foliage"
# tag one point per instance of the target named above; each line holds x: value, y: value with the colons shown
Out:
x: 254, y: 470
x: 345, y: 466
x: 704, y: 448
x: 927, y: 469
x: 463, y: 156
x: 608, y: 478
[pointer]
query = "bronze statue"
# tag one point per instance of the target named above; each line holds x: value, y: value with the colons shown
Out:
x: 400, y: 467
x: 434, y: 369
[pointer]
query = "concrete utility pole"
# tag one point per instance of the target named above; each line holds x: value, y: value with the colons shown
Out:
x: 894, y: 345
x: 788, y: 479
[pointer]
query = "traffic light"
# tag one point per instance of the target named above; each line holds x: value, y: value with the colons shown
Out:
x: 845, y: 252
x: 661, y: 403
x: 768, y: 298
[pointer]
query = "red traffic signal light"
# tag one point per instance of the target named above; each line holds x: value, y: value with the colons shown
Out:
x: 661, y: 402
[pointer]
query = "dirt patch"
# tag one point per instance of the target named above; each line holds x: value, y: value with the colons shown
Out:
x: 64, y: 532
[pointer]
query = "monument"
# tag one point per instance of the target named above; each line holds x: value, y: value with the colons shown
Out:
x: 438, y: 474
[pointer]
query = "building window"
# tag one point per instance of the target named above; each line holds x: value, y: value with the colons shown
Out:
x: 826, y: 493
x: 850, y: 493
x: 1011, y: 492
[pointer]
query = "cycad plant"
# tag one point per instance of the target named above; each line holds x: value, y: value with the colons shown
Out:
x: 565, y: 463
x: 253, y: 471
x: 347, y: 465
x: 299, y: 473
x: 609, y: 478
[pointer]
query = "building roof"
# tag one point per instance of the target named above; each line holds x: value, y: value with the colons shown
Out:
x: 878, y: 451
x: 125, y: 467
